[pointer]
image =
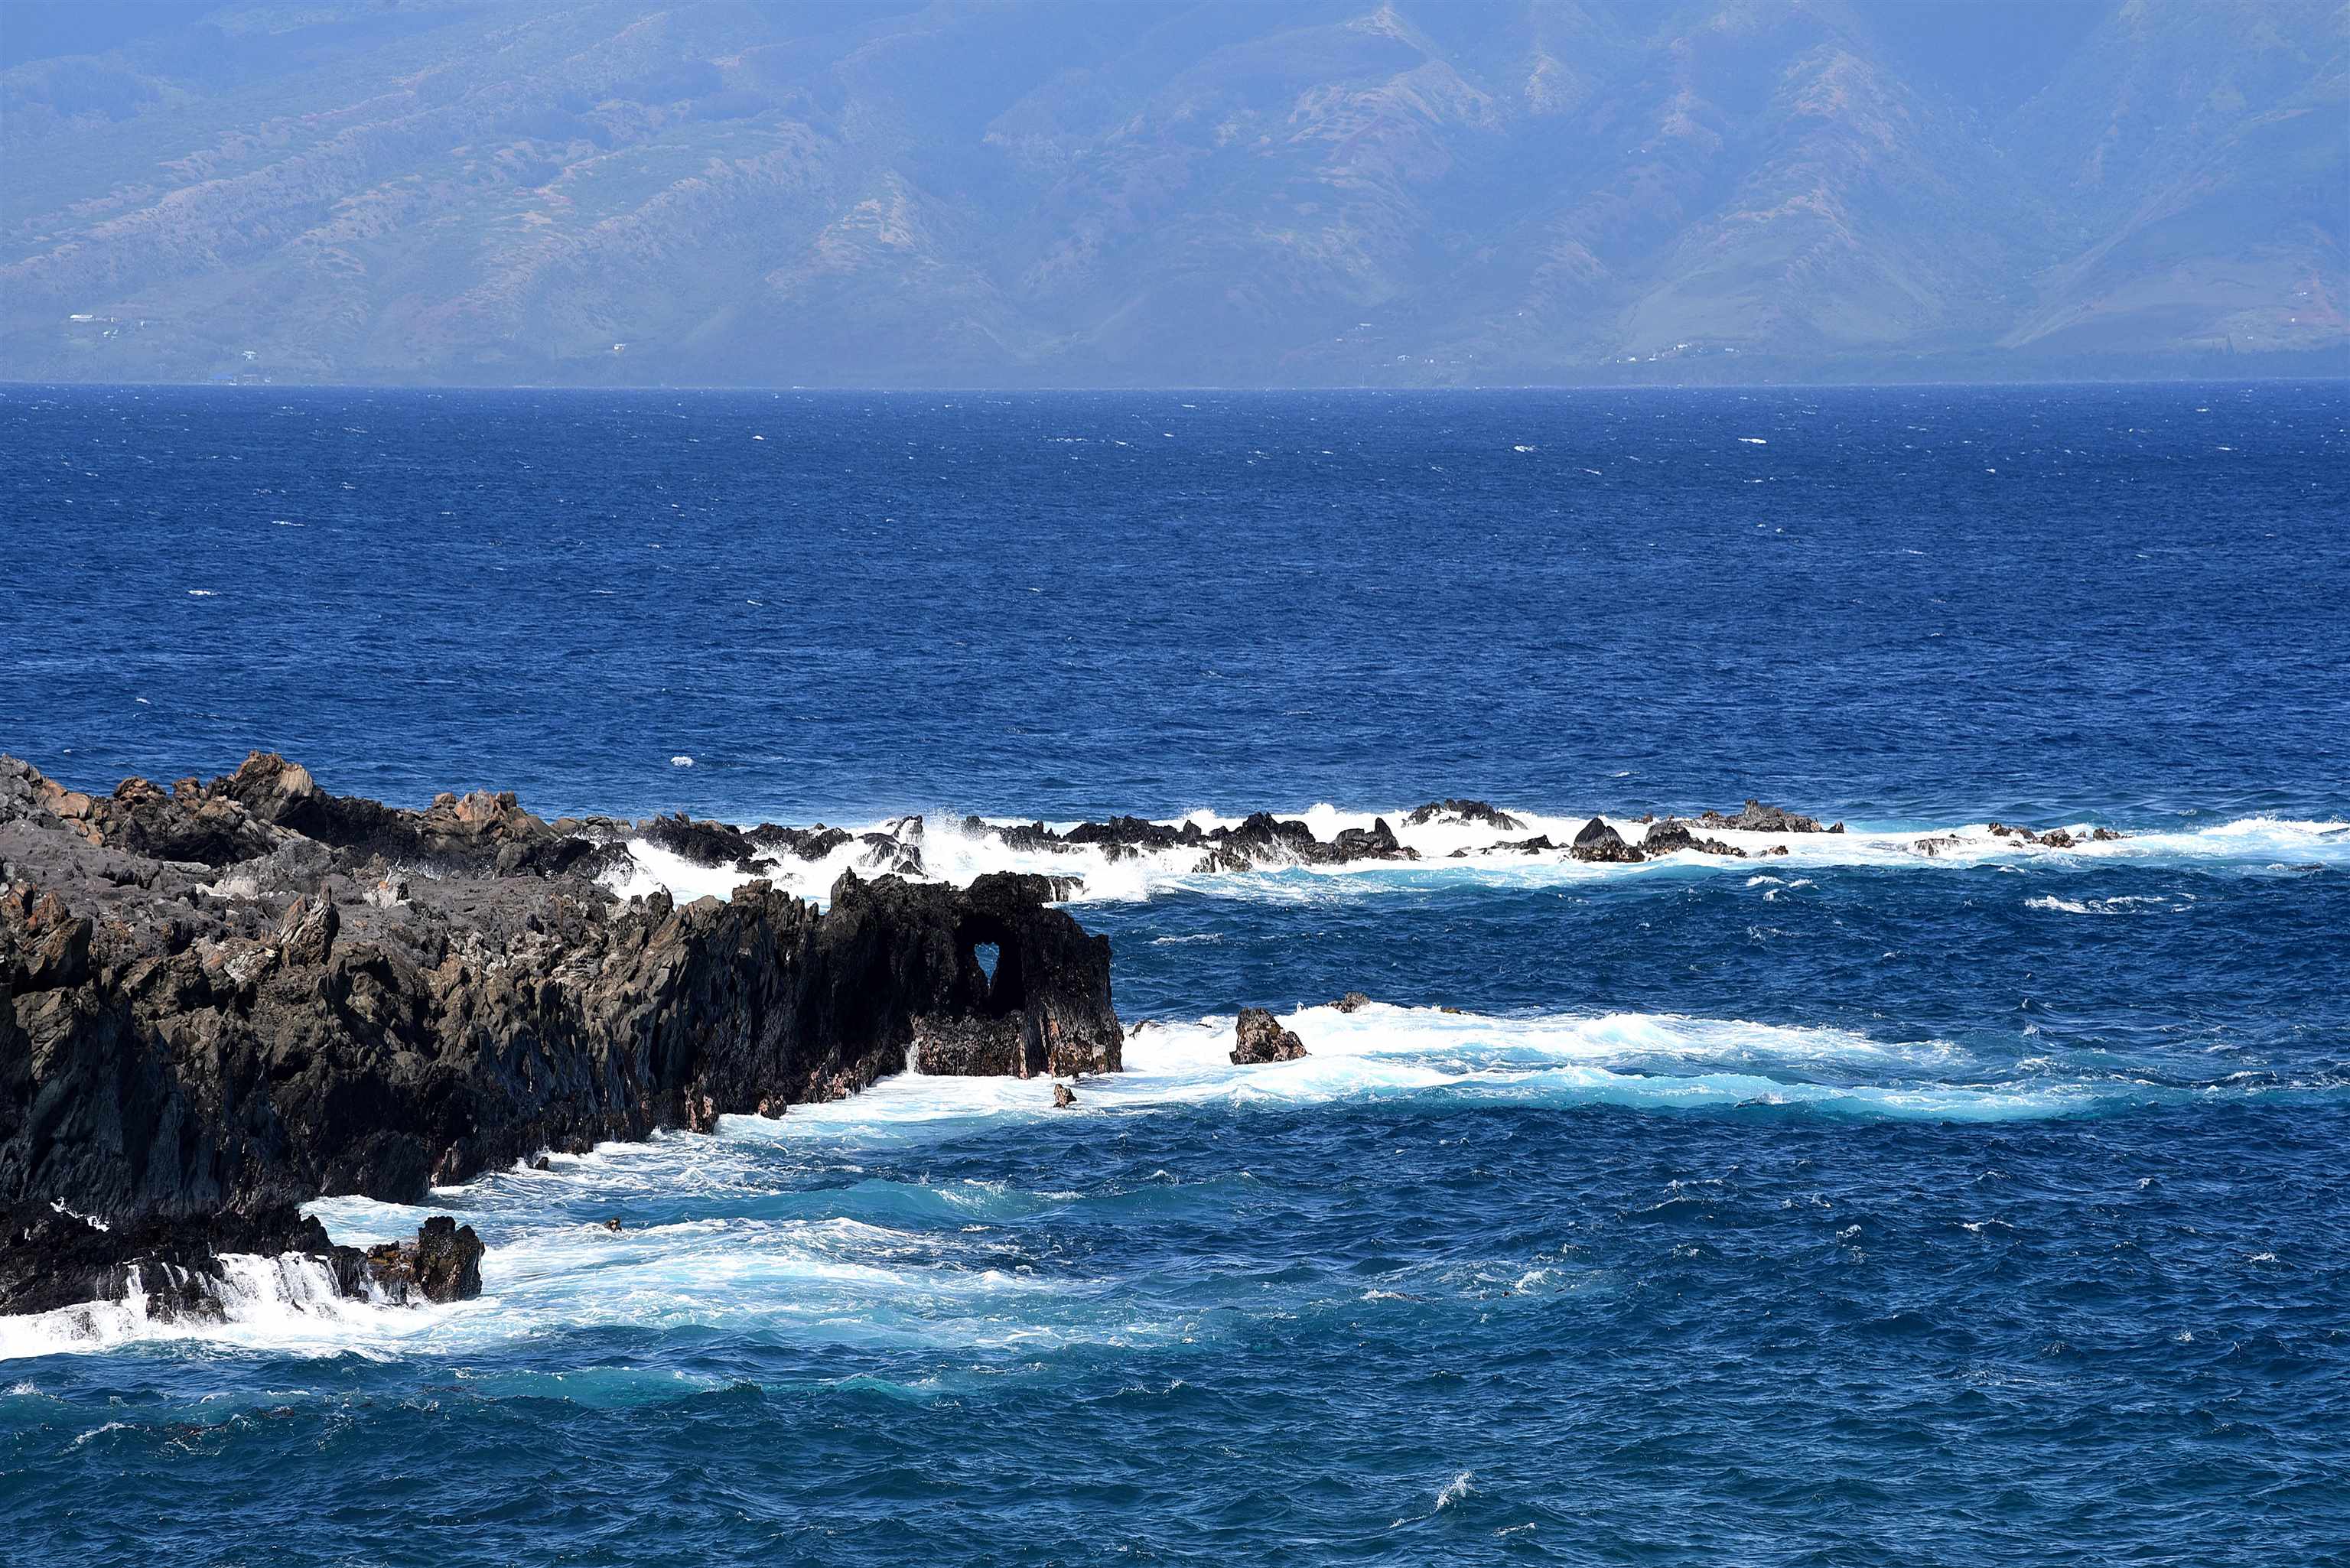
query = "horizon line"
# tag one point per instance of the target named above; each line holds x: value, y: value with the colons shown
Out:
x: 8, y: 384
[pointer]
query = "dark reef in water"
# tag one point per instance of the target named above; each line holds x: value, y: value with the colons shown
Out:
x: 1265, y: 840
x: 220, y: 1001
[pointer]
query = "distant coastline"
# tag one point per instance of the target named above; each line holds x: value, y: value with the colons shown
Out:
x: 1745, y: 372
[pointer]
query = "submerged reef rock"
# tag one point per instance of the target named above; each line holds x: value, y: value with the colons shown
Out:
x: 1259, y: 1037
x: 1538, y: 844
x: 1263, y: 840
x: 220, y: 1001
x: 2055, y: 838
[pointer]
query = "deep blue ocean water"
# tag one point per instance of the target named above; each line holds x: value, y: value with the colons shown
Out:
x: 1860, y: 1207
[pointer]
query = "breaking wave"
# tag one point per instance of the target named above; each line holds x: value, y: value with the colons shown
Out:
x: 287, y: 1302
x: 1452, y: 854
x: 1458, y: 1060
x: 773, y: 1228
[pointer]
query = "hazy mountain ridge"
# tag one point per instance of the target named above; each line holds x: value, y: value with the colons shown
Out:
x: 1087, y: 192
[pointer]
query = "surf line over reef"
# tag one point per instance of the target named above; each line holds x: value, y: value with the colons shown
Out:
x: 219, y: 1001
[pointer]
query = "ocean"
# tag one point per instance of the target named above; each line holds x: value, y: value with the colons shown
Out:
x: 1855, y: 1206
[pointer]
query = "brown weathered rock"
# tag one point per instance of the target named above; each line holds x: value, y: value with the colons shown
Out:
x: 1260, y: 1038
x: 442, y: 1264
x: 1758, y: 818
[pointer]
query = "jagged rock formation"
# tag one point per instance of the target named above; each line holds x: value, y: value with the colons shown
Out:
x: 1262, y: 839
x: 1672, y: 833
x: 2055, y: 838
x: 221, y: 1001
x: 1461, y: 811
x: 51, y: 1258
x: 442, y: 1264
x: 1758, y: 818
x: 1601, y: 843
x: 1258, y: 1037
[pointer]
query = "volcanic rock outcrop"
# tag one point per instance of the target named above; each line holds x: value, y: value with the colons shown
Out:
x: 220, y: 1001
x: 1599, y: 841
x: 1758, y: 818
x: 1258, y: 1037
x: 1672, y: 833
x: 1461, y: 811
x: 1262, y: 839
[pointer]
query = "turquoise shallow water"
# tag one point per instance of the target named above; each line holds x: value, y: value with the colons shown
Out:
x: 1854, y: 1207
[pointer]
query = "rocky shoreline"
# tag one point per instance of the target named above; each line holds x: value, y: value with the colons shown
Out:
x: 1262, y: 839
x: 219, y: 1001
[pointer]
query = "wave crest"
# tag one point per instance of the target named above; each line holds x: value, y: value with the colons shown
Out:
x: 1452, y: 851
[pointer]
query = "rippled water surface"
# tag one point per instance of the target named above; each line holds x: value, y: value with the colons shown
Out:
x: 1849, y: 1207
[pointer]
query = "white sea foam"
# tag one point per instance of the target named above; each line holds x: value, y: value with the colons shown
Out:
x: 856, y: 1261
x: 1458, y: 853
x: 1466, y: 1061
x: 654, y: 869
x: 285, y: 1303
x: 2123, y: 904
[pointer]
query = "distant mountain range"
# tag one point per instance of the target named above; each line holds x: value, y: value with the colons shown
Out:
x: 1103, y: 192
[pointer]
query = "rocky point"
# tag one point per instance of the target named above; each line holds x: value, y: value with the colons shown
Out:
x: 220, y: 1001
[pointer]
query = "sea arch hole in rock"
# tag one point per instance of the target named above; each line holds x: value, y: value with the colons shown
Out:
x: 991, y: 959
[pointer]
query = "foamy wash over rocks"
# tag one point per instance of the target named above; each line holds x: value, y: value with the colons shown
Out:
x: 199, y: 1038
x: 1621, y: 1164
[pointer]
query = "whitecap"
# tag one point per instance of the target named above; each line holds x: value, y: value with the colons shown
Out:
x: 1456, y: 852
x: 2049, y: 901
x: 279, y: 1304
